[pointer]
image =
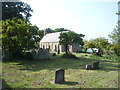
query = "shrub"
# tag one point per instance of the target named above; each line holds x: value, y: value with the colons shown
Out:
x: 28, y: 56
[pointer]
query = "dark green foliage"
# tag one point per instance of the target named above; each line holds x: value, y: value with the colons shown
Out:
x: 19, y: 10
x: 28, y: 56
x: 18, y: 36
x: 69, y: 38
x: 115, y: 37
x: 49, y: 30
x: 60, y: 30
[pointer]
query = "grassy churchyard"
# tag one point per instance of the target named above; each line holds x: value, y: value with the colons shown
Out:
x: 40, y: 74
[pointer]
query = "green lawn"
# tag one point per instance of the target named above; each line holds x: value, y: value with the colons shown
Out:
x: 40, y: 74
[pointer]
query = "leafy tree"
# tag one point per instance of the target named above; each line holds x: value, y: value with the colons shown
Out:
x: 90, y: 44
x: 19, y: 10
x: 48, y: 30
x: 99, y: 43
x: 69, y: 38
x: 17, y: 36
x: 115, y: 37
x: 60, y: 30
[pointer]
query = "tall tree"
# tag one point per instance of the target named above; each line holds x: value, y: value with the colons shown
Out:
x: 48, y: 30
x: 115, y: 36
x: 19, y: 10
x: 17, y: 36
x: 69, y: 38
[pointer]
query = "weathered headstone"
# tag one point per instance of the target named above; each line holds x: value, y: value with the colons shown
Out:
x: 89, y: 67
x: 59, y: 76
x: 46, y: 53
x: 43, y: 54
x: 96, y: 65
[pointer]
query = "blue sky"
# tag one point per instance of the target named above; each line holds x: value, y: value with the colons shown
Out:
x: 92, y: 18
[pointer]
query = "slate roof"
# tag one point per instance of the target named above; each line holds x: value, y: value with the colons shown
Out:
x: 51, y: 37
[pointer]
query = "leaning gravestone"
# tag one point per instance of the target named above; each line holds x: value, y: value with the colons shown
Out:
x: 96, y: 65
x: 59, y: 76
x: 89, y: 67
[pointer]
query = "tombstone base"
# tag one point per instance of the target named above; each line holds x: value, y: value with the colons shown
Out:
x: 59, y: 82
x: 53, y: 82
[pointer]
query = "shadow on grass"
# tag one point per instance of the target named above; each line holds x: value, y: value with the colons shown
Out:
x: 70, y: 83
x: 56, y: 62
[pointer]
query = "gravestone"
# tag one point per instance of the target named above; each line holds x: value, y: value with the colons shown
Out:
x: 59, y: 76
x: 96, y: 65
x: 46, y: 53
x: 43, y: 54
x: 89, y: 67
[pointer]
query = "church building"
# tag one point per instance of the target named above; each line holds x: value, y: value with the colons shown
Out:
x: 51, y: 41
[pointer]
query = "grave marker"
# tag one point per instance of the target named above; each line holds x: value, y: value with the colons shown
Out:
x: 59, y: 76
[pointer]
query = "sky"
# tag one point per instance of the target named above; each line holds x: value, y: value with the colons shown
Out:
x: 93, y: 18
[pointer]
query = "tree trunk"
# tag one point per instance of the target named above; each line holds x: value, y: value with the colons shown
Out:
x: 92, y: 50
x: 66, y: 49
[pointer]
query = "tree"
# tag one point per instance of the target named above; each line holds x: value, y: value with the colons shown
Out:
x: 60, y: 30
x: 18, y: 36
x: 90, y: 44
x: 115, y: 38
x: 69, y: 38
x: 48, y: 30
x: 19, y: 10
x: 100, y: 43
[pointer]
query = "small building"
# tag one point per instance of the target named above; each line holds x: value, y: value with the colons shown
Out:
x: 51, y: 41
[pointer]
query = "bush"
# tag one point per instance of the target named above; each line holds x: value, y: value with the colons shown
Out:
x: 69, y: 56
x: 28, y: 56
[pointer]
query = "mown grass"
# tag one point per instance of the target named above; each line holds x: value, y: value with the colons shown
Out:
x: 40, y: 74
